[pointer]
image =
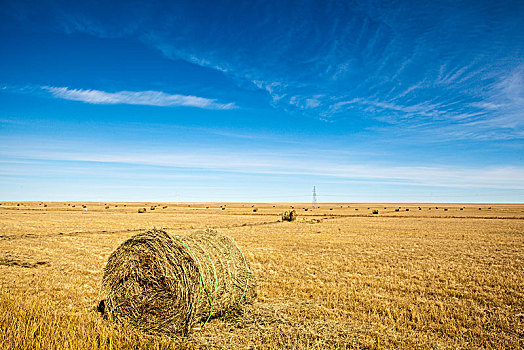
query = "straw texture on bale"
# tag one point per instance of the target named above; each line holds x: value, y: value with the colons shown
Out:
x: 163, y: 284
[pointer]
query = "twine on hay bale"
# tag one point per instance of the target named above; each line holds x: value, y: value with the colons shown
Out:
x: 163, y: 284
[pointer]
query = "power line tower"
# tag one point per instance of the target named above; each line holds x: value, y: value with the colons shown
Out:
x: 314, y: 197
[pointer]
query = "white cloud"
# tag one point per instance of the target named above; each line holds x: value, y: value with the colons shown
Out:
x: 273, y: 88
x: 146, y: 98
x: 291, y: 164
x: 487, y: 105
x: 312, y: 103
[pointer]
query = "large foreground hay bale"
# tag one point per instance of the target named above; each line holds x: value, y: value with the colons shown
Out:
x: 163, y: 284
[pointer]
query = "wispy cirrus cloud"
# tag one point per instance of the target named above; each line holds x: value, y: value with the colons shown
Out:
x: 145, y: 98
x: 299, y: 164
x: 422, y: 65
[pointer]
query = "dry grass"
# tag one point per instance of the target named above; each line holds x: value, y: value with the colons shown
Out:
x: 341, y: 278
x: 28, y: 323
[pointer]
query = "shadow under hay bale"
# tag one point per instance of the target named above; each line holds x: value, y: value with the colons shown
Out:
x: 164, y: 284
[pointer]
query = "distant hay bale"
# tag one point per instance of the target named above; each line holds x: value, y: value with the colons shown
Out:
x: 375, y: 211
x: 163, y: 284
x: 289, y: 215
x: 141, y: 210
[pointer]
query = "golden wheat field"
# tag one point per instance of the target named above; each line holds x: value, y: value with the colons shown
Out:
x: 425, y: 276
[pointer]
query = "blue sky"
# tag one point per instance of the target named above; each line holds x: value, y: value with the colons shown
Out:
x: 262, y: 100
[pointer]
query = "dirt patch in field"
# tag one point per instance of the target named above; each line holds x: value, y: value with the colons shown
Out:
x: 8, y: 261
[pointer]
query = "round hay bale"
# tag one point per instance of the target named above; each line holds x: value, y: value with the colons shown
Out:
x: 163, y: 284
x: 290, y: 215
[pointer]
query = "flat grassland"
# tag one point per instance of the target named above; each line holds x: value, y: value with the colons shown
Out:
x: 438, y: 277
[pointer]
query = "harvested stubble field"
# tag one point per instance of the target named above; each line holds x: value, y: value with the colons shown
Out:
x: 336, y: 277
